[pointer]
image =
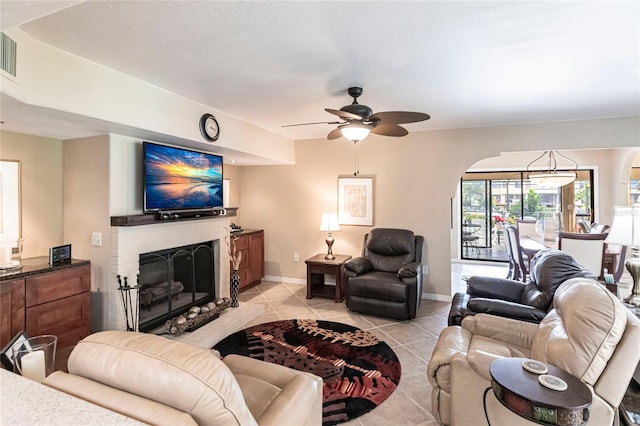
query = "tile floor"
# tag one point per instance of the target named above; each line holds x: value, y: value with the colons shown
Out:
x: 412, y: 341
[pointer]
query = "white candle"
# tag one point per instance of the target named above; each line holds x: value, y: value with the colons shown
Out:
x: 33, y: 366
x: 5, y: 255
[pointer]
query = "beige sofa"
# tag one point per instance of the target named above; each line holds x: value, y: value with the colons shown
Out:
x: 588, y: 333
x: 167, y: 382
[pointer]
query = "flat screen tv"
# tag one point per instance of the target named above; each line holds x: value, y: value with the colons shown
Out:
x: 180, y: 179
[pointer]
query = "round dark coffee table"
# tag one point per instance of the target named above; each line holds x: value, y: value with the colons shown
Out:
x: 521, y: 392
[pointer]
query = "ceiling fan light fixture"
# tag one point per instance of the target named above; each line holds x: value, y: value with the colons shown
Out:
x: 355, y: 131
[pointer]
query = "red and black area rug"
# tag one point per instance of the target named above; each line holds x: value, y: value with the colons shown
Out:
x: 358, y: 370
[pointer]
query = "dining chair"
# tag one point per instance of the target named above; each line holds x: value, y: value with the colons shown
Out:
x: 587, y: 249
x: 518, y: 267
x: 469, y: 237
x: 617, y: 255
x: 585, y: 227
x: 527, y: 228
x: 597, y: 228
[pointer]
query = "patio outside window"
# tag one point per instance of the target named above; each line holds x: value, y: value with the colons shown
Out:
x: 491, y: 200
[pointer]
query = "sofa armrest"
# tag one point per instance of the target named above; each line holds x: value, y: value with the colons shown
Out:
x: 358, y: 265
x: 452, y: 340
x: 125, y: 403
x: 410, y: 270
x: 503, y: 308
x: 275, y: 394
x: 458, y: 309
x: 515, y: 332
x: 299, y: 403
x: 495, y: 288
x: 275, y: 374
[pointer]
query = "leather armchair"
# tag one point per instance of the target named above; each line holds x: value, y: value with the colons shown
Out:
x: 160, y: 381
x: 588, y: 333
x: 528, y: 301
x: 386, y: 280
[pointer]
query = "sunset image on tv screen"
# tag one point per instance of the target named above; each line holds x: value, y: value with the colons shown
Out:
x: 181, y: 179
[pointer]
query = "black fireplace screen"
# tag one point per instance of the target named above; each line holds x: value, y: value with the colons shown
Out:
x: 173, y: 280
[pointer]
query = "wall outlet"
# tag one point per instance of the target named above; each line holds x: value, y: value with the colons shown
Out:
x: 296, y: 257
x: 425, y: 270
x: 96, y: 239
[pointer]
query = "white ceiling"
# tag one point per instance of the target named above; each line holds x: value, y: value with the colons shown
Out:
x: 272, y: 63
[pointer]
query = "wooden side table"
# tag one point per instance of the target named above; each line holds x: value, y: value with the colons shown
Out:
x: 519, y: 391
x: 317, y: 266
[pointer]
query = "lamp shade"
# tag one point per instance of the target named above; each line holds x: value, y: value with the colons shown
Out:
x: 329, y: 222
x: 552, y: 178
x: 625, y: 229
x: 355, y: 131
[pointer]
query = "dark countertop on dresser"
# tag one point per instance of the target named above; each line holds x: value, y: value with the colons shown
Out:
x: 38, y: 265
x: 245, y: 232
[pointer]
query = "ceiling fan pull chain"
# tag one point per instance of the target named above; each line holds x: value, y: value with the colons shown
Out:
x: 357, y: 161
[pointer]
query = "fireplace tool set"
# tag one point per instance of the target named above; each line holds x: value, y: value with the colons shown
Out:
x: 130, y: 308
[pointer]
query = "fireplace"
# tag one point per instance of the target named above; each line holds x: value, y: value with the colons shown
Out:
x: 132, y: 244
x: 173, y: 280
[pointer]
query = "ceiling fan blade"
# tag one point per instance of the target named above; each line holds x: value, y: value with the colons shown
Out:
x: 343, y: 114
x: 334, y: 134
x: 317, y: 122
x: 399, y: 117
x: 389, y: 130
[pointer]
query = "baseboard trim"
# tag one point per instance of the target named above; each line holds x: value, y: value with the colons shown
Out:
x: 288, y: 280
x: 285, y: 280
x: 436, y: 297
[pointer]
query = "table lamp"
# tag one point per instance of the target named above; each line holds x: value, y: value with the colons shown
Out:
x: 625, y: 230
x: 329, y: 224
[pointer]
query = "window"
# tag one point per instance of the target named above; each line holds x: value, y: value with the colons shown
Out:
x: 634, y: 185
x: 490, y: 200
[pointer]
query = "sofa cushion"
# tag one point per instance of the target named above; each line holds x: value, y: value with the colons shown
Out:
x: 578, y: 340
x: 378, y: 285
x: 170, y: 372
x: 390, y: 249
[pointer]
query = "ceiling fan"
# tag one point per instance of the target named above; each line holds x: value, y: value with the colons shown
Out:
x: 359, y: 120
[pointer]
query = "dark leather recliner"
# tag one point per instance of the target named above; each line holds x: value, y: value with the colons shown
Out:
x: 528, y: 301
x: 386, y: 280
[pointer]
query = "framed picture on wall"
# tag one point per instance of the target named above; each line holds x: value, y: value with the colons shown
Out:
x: 355, y: 200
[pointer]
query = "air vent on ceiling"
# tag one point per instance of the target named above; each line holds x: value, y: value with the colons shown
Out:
x: 8, y: 49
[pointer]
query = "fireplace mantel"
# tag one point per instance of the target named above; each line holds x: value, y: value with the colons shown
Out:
x: 150, y: 219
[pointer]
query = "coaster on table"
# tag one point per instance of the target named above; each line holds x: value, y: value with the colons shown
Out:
x: 552, y: 382
x: 534, y: 367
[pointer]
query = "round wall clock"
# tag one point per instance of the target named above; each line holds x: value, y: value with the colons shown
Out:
x: 209, y: 127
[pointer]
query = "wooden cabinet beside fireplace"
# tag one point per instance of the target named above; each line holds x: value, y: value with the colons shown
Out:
x: 48, y: 300
x: 59, y: 303
x: 12, y: 309
x: 251, y: 244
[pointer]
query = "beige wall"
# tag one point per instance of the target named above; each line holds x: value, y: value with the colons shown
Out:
x: 233, y: 173
x: 416, y: 178
x: 42, y: 189
x: 86, y: 210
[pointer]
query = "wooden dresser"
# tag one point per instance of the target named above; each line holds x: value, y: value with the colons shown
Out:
x: 47, y: 300
x: 250, y: 243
